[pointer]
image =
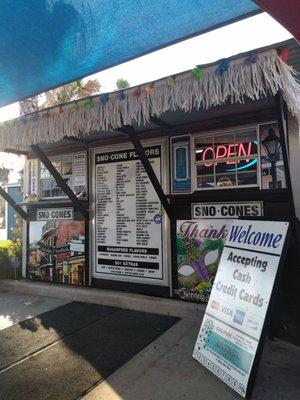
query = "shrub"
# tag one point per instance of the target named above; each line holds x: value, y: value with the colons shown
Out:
x: 8, y: 249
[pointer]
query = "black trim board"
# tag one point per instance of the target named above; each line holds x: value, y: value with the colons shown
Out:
x: 13, y: 204
x: 139, y: 288
x: 137, y: 145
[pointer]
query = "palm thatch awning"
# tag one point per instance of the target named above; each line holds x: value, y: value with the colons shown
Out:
x: 254, y: 76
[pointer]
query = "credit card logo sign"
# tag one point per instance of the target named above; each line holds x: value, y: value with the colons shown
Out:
x: 252, y: 324
x: 215, y: 305
x: 239, y: 317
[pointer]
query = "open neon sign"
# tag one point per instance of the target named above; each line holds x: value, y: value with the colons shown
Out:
x: 228, y: 151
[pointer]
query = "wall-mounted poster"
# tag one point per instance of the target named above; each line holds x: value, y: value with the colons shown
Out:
x: 80, y: 174
x: 128, y: 219
x: 56, y: 248
x: 199, y: 246
x: 32, y: 191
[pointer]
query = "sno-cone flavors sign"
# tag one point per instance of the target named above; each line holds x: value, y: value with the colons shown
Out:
x: 199, y: 248
x: 235, y: 315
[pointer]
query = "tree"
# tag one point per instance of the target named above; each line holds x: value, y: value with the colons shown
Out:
x: 4, y: 172
x: 72, y: 91
x: 122, y: 84
x: 29, y: 105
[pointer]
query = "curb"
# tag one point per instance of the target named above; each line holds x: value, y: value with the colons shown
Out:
x: 130, y: 301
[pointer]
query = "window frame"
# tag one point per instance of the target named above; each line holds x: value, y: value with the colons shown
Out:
x: 40, y: 179
x: 194, y: 162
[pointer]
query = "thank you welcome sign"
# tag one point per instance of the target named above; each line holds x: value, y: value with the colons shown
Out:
x: 236, y: 312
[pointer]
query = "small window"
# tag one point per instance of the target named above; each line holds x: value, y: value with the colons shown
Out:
x: 48, y: 186
x: 226, y: 160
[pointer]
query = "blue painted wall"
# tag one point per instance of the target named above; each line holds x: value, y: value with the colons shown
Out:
x: 15, y: 193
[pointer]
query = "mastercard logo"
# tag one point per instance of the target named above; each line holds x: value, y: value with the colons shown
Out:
x: 215, y: 305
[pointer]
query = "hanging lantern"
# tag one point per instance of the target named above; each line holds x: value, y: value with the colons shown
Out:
x: 252, y: 58
x: 170, y: 82
x: 222, y: 67
x: 74, y: 107
x: 120, y: 95
x: 284, y: 54
x: 104, y: 97
x: 149, y: 89
x: 198, y: 73
x: 137, y: 92
x: 89, y: 103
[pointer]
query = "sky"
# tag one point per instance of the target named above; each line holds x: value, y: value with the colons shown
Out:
x: 251, y: 33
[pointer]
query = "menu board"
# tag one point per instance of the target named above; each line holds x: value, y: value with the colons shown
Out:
x: 128, y: 217
x: 235, y: 318
x: 32, y: 171
x: 79, y: 169
x: 80, y: 174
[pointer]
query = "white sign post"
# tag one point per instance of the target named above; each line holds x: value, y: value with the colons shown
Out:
x: 230, y: 338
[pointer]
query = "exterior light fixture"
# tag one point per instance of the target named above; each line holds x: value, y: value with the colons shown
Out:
x: 272, y: 147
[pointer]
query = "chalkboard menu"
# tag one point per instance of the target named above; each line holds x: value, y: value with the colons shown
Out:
x: 128, y: 219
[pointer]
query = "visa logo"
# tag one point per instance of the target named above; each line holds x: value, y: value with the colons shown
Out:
x: 227, y: 311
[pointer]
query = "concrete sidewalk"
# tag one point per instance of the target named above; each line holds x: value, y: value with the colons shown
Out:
x: 165, y: 370
x: 17, y: 307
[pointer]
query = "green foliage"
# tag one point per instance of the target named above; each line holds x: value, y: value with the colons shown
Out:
x: 11, y: 248
x: 72, y: 91
x: 17, y: 229
x: 8, y: 249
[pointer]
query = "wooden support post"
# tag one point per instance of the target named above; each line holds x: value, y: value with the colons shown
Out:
x: 283, y: 141
x: 13, y: 204
x: 60, y: 181
x: 148, y: 168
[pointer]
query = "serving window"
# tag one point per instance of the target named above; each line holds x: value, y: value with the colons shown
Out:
x: 48, y: 186
x: 227, y: 160
x: 41, y: 185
